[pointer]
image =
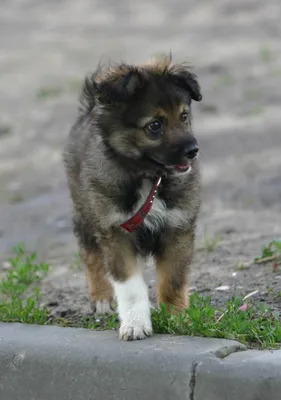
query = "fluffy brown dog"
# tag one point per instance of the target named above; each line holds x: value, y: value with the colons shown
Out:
x: 133, y: 131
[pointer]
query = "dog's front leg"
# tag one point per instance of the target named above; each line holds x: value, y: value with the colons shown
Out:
x: 131, y: 291
x: 172, y: 271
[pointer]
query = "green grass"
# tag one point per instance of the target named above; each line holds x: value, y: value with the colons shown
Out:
x: 253, y: 94
x: 23, y: 272
x: 266, y: 54
x: 258, y: 326
x: 26, y: 311
x: 270, y: 253
x: 47, y: 92
x: 210, y: 243
x: 224, y: 80
x: 254, y: 111
x: 5, y: 130
x: 72, y: 85
x: 16, y: 198
x: 105, y: 323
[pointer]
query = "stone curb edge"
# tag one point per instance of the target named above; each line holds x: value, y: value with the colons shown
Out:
x: 48, y: 362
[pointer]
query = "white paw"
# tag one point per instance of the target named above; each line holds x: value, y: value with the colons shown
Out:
x: 136, y: 331
x: 103, y: 307
x: 133, y: 308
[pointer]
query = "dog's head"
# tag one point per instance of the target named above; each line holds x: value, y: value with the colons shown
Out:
x: 144, y: 113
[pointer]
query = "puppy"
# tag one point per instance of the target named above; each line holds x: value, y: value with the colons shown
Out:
x: 133, y: 174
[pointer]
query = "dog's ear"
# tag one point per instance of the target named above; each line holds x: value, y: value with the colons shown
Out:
x: 119, y: 86
x: 186, y: 80
x: 88, y: 94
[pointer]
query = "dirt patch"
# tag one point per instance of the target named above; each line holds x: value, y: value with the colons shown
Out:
x: 46, y: 48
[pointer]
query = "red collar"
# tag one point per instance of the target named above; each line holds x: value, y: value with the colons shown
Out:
x: 136, y: 220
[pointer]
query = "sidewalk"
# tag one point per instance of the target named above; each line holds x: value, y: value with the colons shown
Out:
x: 43, y: 363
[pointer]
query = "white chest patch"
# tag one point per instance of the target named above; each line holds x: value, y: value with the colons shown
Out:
x: 157, y: 218
x: 159, y: 215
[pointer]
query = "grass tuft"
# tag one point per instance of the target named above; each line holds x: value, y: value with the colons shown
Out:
x: 271, y: 253
x: 210, y: 243
x: 266, y: 54
x: 25, y: 311
x: 110, y: 322
x: 14, y: 306
x: 47, y: 92
x: 23, y: 272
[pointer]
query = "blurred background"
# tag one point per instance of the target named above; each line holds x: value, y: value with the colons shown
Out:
x: 46, y: 48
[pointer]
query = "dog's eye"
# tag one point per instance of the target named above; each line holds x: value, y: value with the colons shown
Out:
x: 184, y: 116
x: 155, y: 128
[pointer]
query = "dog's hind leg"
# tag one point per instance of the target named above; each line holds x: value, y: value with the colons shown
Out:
x: 100, y: 290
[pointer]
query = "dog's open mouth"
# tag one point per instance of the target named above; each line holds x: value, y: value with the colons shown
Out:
x: 182, y: 167
x: 177, y: 167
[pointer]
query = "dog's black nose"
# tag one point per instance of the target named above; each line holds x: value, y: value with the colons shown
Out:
x: 191, y: 151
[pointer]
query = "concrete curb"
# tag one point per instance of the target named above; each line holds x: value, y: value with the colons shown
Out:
x: 43, y: 363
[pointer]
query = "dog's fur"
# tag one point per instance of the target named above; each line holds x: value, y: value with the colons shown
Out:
x: 112, y: 160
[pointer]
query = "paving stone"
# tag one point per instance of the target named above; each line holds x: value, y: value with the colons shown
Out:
x: 43, y: 363
x: 250, y: 375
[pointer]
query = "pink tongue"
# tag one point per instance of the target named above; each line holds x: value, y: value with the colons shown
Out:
x: 182, y: 166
